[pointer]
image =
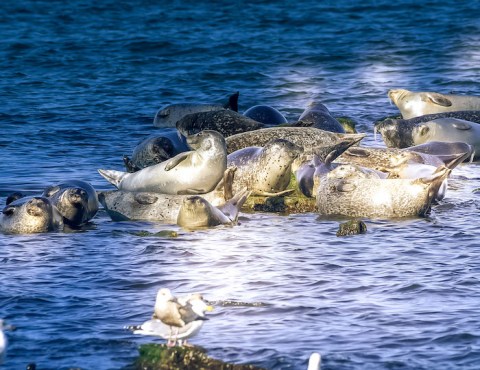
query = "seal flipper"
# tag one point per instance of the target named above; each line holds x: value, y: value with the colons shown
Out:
x: 439, y: 99
x: 13, y: 197
x: 232, y: 207
x: 113, y: 177
x: 232, y: 102
x: 191, y: 192
x: 278, y: 194
x: 176, y: 160
x: 51, y: 190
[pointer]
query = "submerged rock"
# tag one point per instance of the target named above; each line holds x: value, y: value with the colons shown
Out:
x: 161, y: 357
x: 352, y: 227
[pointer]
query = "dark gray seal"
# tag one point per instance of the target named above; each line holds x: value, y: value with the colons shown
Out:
x: 317, y: 115
x: 30, y: 215
x: 264, y: 170
x: 265, y: 114
x: 378, y: 198
x: 414, y: 104
x: 308, y: 138
x: 193, y: 172
x: 156, y: 149
x: 397, y: 133
x: 76, y: 201
x: 171, y: 114
x: 225, y: 122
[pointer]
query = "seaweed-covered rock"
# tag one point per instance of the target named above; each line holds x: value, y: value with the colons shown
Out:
x: 352, y: 227
x: 161, y: 357
x: 348, y: 124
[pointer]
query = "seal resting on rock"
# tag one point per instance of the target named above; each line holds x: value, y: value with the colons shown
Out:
x: 226, y: 122
x: 156, y: 149
x: 197, y: 213
x: 414, y: 104
x: 308, y: 138
x: 266, y: 115
x: 76, y: 201
x: 193, y: 172
x: 317, y: 115
x: 264, y: 170
x: 378, y: 198
x: 30, y: 215
x: 171, y: 114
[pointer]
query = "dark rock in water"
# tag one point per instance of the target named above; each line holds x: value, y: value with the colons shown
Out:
x: 352, y: 227
x: 226, y: 122
x: 161, y: 357
x: 265, y: 114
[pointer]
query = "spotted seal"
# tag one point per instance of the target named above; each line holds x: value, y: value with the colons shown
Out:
x: 226, y: 122
x: 378, y: 198
x: 317, y: 115
x: 76, y: 201
x: 265, y: 114
x: 198, y: 213
x: 155, y: 149
x: 193, y: 172
x: 264, y: 170
x: 171, y: 114
x: 414, y: 104
x: 30, y: 215
x: 308, y: 138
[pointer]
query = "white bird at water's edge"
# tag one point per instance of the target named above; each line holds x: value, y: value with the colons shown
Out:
x: 314, y: 361
x: 3, y: 339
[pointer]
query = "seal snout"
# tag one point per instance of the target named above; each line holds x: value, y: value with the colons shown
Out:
x: 36, y: 207
x: 77, y: 196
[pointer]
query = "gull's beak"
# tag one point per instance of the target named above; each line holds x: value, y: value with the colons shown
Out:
x: 209, y: 308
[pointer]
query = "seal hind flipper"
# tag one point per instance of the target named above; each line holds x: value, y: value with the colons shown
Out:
x: 112, y: 176
x: 51, y: 190
x: 232, y: 207
x: 175, y: 161
x: 232, y: 102
x: 457, y: 160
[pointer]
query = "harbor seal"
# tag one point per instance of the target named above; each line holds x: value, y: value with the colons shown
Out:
x: 442, y: 150
x: 317, y: 115
x: 76, y: 201
x: 414, y: 104
x: 225, y: 122
x: 266, y: 115
x: 378, y: 198
x: 30, y: 215
x: 171, y: 114
x: 197, y: 213
x: 308, y: 138
x: 155, y: 149
x: 193, y: 172
x: 264, y: 170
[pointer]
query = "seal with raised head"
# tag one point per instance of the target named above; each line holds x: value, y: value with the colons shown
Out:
x: 317, y: 115
x: 308, y: 138
x: 30, y: 215
x: 378, y: 198
x: 414, y: 104
x: 265, y: 114
x: 264, y: 170
x: 198, y: 213
x: 193, y: 172
x: 155, y: 149
x: 171, y: 114
x: 226, y: 122
x: 76, y: 201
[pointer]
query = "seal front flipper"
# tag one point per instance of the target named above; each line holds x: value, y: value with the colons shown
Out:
x: 175, y: 161
x: 113, y: 177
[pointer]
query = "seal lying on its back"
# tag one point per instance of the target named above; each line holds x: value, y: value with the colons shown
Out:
x: 197, y: 213
x: 171, y: 114
x: 156, y: 149
x: 397, y: 133
x: 378, y: 198
x: 414, y: 104
x: 264, y: 171
x: 265, y: 114
x: 30, y: 215
x: 193, y: 172
x: 308, y: 138
x: 76, y: 201
x: 317, y: 115
x: 226, y: 122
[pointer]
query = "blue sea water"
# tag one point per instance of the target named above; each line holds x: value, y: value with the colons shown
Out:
x: 80, y: 84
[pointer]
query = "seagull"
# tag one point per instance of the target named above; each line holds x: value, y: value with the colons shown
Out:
x: 184, y: 314
x: 314, y: 361
x: 3, y: 339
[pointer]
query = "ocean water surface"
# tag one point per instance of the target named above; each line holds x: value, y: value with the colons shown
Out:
x: 81, y: 82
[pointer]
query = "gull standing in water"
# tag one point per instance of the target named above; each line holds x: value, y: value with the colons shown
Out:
x: 3, y: 339
x: 314, y: 361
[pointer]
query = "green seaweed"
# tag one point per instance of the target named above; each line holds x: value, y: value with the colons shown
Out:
x: 348, y: 124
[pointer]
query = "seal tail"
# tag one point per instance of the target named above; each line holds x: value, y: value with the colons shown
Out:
x: 459, y: 158
x: 232, y: 102
x: 113, y: 177
x: 232, y: 207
